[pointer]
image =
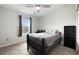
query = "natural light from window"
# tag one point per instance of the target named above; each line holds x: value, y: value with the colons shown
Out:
x: 25, y: 25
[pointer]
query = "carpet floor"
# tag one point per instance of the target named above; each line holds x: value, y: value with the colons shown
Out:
x: 21, y: 49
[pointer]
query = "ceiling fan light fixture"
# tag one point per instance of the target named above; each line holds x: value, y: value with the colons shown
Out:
x: 37, y: 7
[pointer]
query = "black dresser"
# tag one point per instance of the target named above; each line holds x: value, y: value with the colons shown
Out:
x: 70, y: 36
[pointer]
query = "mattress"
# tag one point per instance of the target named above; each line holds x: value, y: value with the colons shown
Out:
x: 50, y: 38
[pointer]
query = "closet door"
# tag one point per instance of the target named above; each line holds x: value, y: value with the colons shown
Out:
x: 70, y: 36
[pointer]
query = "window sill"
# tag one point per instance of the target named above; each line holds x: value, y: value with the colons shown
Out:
x: 25, y: 33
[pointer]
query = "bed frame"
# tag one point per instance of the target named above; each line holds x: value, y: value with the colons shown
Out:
x: 40, y: 47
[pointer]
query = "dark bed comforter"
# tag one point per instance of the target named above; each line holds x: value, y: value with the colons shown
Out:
x: 51, y: 40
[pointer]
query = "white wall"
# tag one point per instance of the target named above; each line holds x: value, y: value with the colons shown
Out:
x: 9, y: 27
x: 63, y: 16
x: 78, y: 32
x: 34, y: 24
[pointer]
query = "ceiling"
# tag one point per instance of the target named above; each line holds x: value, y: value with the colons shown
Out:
x: 31, y: 10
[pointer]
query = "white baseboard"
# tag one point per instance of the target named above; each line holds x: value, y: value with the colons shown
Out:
x: 10, y: 44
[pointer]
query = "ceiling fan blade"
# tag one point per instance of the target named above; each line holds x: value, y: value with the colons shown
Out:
x: 45, y: 5
x: 35, y: 5
x: 30, y: 5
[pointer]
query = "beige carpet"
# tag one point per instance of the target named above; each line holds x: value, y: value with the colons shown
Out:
x: 62, y: 50
x: 21, y: 49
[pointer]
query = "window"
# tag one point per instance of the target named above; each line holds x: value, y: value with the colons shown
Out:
x: 25, y: 25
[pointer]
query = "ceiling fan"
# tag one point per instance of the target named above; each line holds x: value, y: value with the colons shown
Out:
x: 37, y: 6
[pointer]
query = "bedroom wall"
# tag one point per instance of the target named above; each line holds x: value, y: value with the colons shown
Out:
x: 77, y: 32
x: 9, y: 27
x: 62, y: 16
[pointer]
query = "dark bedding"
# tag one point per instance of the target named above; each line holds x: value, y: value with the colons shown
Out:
x: 43, y: 43
x: 50, y: 38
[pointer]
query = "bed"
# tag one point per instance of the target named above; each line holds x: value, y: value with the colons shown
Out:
x: 42, y: 43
